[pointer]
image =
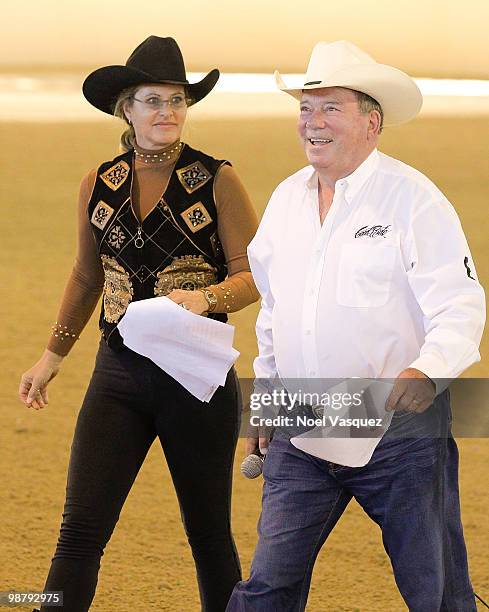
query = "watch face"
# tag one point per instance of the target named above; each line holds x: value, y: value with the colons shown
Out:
x: 211, y: 299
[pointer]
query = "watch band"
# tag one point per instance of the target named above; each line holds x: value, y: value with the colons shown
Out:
x: 211, y: 299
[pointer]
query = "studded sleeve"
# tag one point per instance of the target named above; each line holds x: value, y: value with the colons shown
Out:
x: 85, y: 282
x: 237, y: 224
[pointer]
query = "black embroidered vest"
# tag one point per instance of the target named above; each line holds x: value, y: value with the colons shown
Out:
x: 175, y: 247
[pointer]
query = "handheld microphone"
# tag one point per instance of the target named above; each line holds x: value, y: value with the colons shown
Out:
x: 252, y: 465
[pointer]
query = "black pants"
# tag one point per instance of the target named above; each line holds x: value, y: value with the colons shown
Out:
x: 128, y: 403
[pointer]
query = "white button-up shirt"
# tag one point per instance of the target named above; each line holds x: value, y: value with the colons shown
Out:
x: 387, y: 281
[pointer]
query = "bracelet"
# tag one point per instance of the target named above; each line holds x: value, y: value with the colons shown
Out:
x: 62, y: 332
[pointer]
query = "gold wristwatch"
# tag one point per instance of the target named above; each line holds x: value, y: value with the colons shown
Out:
x: 211, y: 299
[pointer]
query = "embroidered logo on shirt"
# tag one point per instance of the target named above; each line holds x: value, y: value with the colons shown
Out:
x: 372, y: 231
x: 116, y: 237
x: 118, y: 290
x: 115, y: 176
x: 196, y: 217
x: 194, y: 176
x: 101, y: 214
x: 188, y: 272
x: 466, y: 264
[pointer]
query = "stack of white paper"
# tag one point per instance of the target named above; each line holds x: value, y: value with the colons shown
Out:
x: 196, y: 351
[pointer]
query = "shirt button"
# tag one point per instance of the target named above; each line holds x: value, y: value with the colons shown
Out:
x: 308, y: 332
x: 312, y: 373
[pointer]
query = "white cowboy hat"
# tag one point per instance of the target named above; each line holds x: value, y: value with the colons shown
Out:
x: 342, y: 64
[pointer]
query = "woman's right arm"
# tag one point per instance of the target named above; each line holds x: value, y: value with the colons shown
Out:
x: 80, y: 297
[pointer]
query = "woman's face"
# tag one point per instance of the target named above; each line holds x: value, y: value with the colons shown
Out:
x: 157, y: 113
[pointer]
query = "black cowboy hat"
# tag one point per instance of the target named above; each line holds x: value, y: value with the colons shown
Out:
x: 155, y: 60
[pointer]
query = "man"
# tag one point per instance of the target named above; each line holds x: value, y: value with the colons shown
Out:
x: 364, y: 271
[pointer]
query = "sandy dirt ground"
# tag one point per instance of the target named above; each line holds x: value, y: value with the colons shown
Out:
x: 147, y: 565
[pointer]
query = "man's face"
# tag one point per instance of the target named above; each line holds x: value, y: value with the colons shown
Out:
x: 336, y: 136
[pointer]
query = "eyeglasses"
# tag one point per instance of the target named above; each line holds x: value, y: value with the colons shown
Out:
x: 176, y: 102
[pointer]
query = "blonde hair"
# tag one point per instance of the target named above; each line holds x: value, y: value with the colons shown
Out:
x: 128, y: 137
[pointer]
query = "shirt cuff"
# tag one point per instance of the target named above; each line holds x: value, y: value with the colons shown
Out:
x: 433, y: 367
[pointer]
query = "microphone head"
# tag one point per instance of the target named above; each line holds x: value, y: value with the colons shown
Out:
x: 252, y: 466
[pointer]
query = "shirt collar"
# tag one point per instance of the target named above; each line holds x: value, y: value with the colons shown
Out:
x: 354, y: 181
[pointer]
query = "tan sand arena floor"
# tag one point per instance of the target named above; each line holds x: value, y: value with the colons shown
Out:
x: 147, y: 565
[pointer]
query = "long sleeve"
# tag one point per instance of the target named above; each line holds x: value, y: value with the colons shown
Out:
x: 443, y: 279
x: 85, y: 283
x: 260, y: 253
x: 237, y: 224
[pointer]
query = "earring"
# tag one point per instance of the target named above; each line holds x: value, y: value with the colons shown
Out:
x: 129, y: 121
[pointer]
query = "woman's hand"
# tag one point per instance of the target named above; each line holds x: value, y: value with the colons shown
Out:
x: 193, y: 301
x: 33, y: 384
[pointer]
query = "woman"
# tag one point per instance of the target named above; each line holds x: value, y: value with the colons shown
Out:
x: 135, y: 243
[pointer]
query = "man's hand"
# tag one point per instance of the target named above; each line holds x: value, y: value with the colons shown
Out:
x: 413, y: 392
x: 258, y: 438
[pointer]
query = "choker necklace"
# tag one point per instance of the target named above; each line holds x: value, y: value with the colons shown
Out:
x: 158, y: 157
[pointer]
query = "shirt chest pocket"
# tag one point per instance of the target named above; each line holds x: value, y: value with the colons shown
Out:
x: 365, y: 275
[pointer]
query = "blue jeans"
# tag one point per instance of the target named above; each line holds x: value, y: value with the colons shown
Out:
x: 409, y: 488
